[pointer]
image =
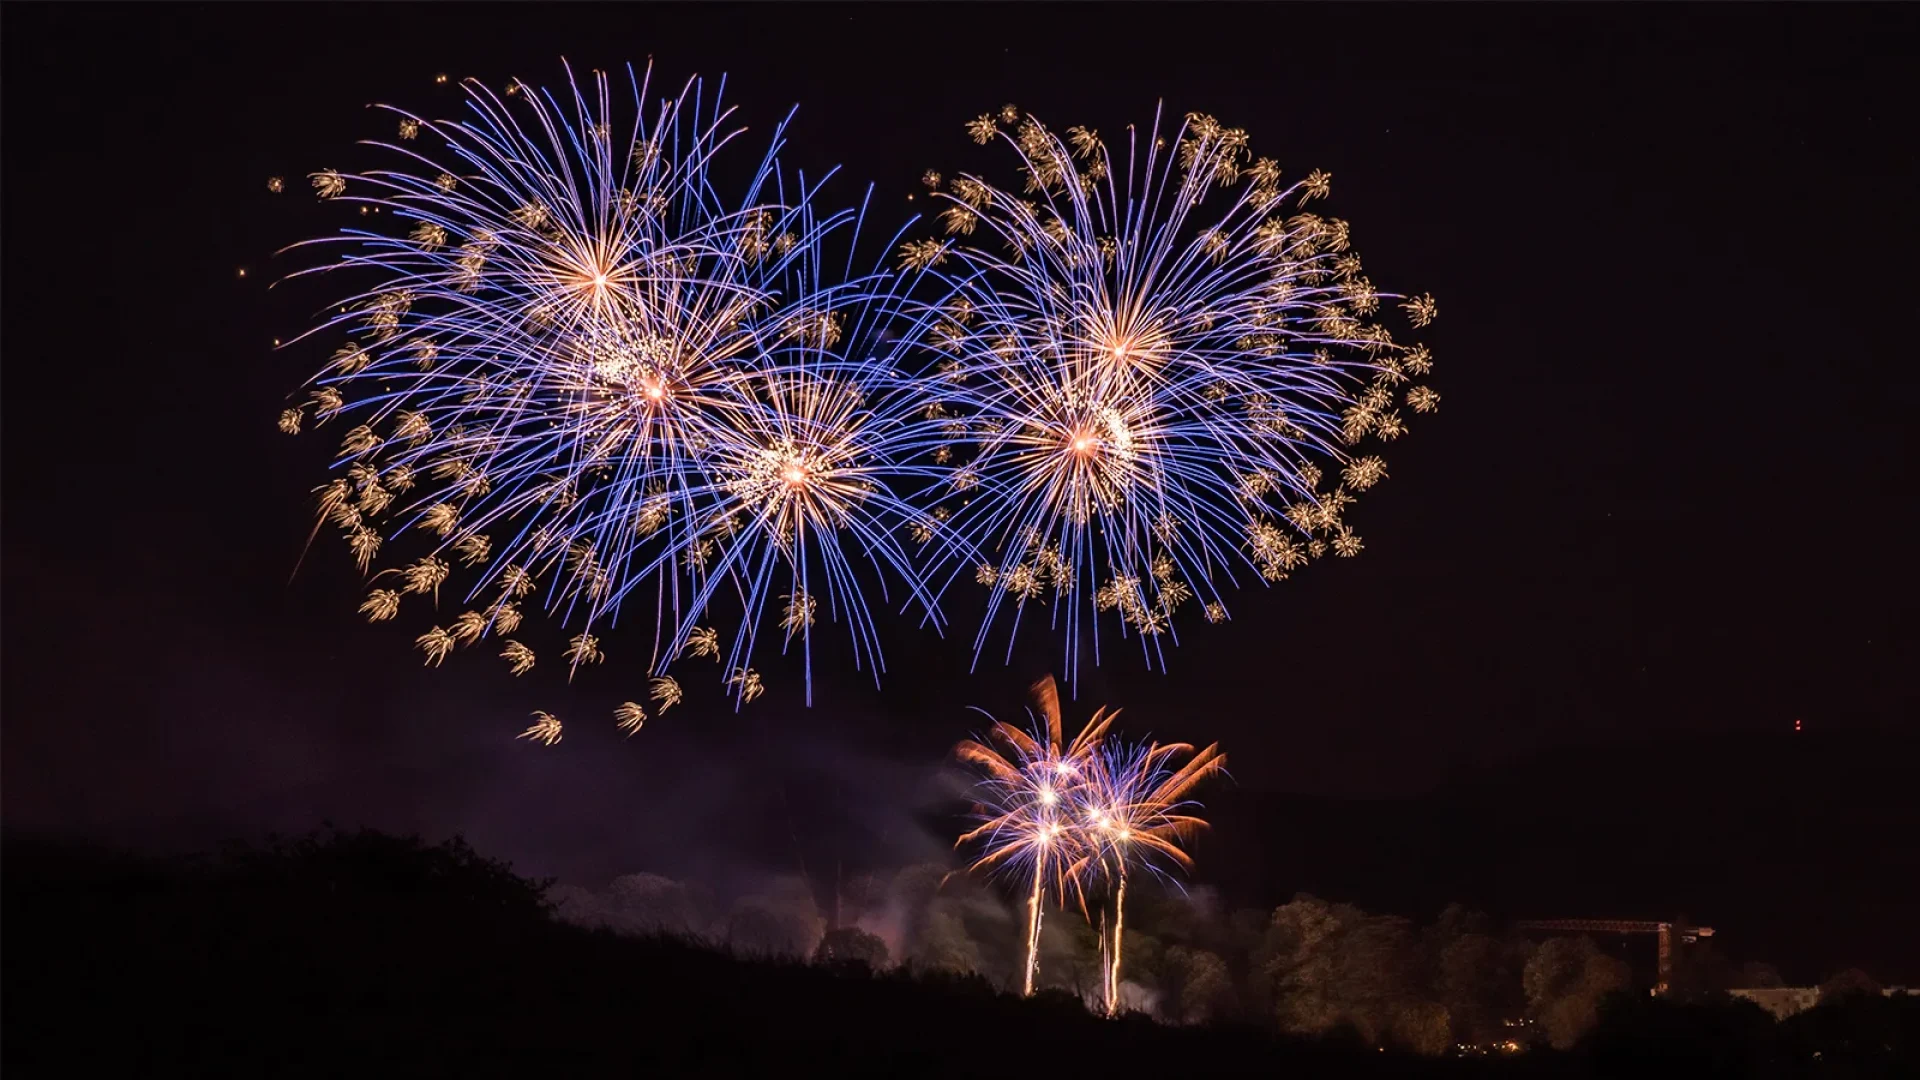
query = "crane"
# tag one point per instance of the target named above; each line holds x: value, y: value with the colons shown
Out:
x: 1665, y: 930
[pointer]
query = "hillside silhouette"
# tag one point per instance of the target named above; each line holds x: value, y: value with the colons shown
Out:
x: 367, y: 952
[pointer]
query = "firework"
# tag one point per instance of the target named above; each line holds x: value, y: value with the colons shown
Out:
x: 545, y: 729
x: 599, y: 386
x: 1134, y: 815
x: 1144, y: 361
x: 810, y: 462
x: 1032, y: 784
x: 746, y: 683
x: 666, y: 692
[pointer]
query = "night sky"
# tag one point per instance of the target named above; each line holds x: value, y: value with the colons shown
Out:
x: 1668, y: 495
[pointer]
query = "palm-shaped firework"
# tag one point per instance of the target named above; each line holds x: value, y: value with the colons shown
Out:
x: 586, y: 374
x: 1148, y: 364
x: 1078, y: 815
x: 1134, y: 815
x: 1028, y: 798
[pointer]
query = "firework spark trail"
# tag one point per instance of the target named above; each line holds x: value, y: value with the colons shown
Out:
x: 824, y: 445
x: 588, y: 374
x: 1032, y: 783
x: 1135, y: 814
x: 1145, y: 395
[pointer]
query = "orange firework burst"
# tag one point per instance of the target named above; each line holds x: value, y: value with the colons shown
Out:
x: 1030, y: 793
x: 1134, y: 813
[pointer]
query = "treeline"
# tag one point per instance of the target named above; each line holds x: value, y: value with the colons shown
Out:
x: 361, y: 951
x: 1310, y: 967
x: 356, y: 953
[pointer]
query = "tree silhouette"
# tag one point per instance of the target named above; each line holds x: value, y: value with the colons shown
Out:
x: 1848, y: 983
x: 1565, y: 980
x: 851, y: 947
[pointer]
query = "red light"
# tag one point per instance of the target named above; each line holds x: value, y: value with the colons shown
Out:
x: 1796, y: 725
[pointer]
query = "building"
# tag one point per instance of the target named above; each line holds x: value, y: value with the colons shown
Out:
x: 1782, y: 1001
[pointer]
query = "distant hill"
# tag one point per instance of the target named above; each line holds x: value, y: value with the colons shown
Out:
x: 348, y: 953
x: 377, y: 954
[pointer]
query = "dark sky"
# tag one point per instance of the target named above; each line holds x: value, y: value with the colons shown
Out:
x: 1670, y: 490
